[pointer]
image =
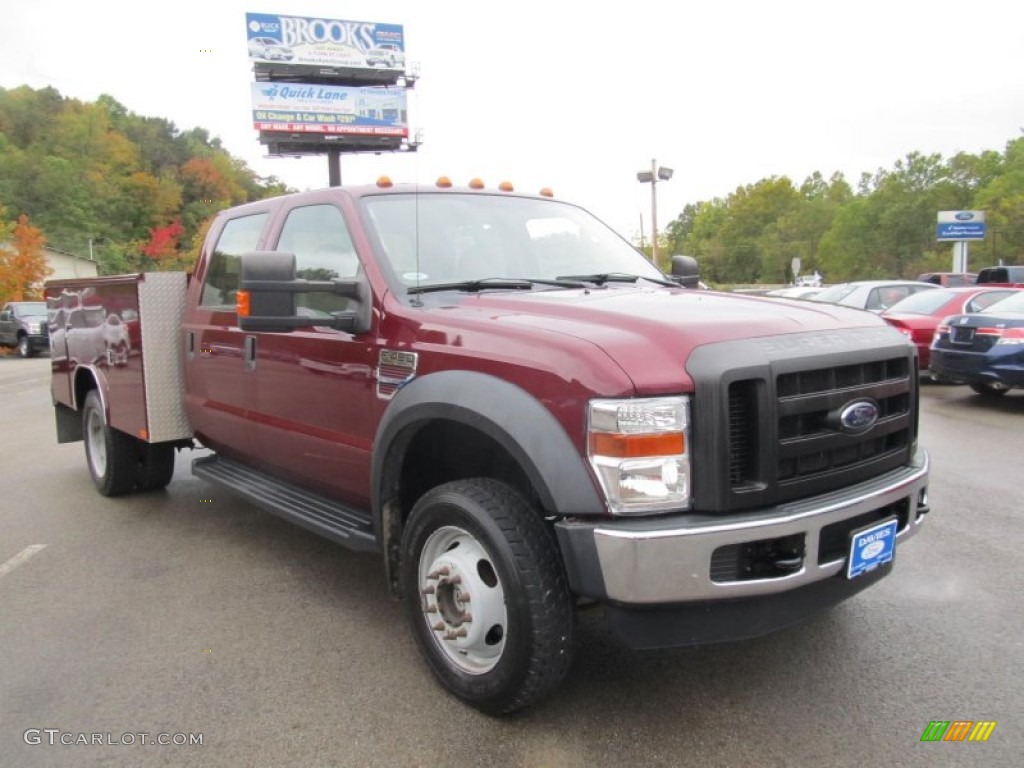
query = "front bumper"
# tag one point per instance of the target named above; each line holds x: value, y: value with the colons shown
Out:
x: 677, y: 560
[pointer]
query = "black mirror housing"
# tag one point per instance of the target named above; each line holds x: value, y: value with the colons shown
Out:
x: 268, y: 278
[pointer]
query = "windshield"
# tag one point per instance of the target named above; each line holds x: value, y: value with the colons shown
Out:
x: 31, y: 309
x: 835, y: 294
x: 1012, y: 303
x: 434, y: 239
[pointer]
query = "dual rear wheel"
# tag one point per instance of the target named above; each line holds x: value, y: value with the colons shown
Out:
x: 118, y: 462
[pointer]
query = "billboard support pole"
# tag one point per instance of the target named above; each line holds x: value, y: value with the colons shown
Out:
x: 960, y: 251
x: 334, y: 167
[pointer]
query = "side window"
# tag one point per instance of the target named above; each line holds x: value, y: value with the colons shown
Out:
x: 238, y: 236
x: 323, y: 249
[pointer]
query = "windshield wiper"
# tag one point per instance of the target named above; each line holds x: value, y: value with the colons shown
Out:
x: 496, y: 283
x: 600, y: 278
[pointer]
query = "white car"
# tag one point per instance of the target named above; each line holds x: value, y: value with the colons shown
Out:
x: 388, y: 55
x: 269, y: 49
x: 873, y: 295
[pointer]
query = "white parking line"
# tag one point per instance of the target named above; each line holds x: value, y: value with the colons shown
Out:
x: 20, y: 559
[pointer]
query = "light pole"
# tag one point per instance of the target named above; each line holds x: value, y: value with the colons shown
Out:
x: 652, y: 177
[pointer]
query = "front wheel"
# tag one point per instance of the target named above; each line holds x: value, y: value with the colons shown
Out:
x: 24, y: 347
x: 990, y: 388
x: 486, y: 595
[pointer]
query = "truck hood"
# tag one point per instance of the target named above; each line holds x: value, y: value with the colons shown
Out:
x: 648, y: 331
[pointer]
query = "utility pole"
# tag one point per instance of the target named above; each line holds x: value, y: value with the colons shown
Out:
x: 652, y: 177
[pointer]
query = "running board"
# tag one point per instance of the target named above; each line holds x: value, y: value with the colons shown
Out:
x: 328, y: 518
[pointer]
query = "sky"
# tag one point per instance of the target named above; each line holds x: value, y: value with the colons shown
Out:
x: 579, y: 96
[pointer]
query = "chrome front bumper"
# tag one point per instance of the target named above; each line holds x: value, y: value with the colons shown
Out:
x: 664, y: 561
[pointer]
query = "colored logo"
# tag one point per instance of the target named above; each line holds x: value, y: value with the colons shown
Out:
x: 958, y: 730
x: 858, y: 415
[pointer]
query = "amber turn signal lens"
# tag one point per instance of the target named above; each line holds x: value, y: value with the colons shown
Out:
x: 242, y: 303
x: 620, y: 446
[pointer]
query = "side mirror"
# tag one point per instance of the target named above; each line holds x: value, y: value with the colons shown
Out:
x: 266, y: 296
x: 685, y: 271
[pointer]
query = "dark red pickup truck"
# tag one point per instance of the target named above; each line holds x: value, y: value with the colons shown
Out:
x: 518, y: 411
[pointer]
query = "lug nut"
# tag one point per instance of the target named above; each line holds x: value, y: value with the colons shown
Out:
x: 439, y: 627
x: 442, y: 571
x: 428, y: 590
x: 430, y: 609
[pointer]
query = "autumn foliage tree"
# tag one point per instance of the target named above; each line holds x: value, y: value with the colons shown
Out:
x: 23, y: 266
x: 163, y: 244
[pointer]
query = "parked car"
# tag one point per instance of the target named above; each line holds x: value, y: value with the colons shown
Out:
x: 388, y: 55
x: 873, y: 295
x: 918, y: 315
x: 949, y: 279
x: 984, y: 349
x: 1002, y: 276
x: 23, y: 326
x: 269, y: 49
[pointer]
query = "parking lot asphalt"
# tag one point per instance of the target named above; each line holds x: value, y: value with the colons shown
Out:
x: 188, y: 612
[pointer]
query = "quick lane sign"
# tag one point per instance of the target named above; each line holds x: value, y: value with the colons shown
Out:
x: 960, y: 225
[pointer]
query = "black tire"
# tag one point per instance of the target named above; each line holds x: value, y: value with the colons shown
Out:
x: 24, y: 347
x: 111, y: 455
x: 156, y: 466
x: 515, y: 645
x: 990, y: 389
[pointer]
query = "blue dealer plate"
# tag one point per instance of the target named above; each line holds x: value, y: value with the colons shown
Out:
x: 871, y: 547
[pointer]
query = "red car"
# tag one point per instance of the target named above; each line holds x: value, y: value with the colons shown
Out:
x: 920, y: 313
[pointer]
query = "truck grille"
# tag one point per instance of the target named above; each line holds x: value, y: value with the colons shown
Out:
x: 785, y: 440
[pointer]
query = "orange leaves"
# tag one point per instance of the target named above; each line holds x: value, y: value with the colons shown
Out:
x: 23, y: 266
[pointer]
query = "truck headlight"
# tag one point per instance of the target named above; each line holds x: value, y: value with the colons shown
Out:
x: 33, y: 328
x: 639, y: 450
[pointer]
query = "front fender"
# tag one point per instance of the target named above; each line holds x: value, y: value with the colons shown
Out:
x: 510, y: 416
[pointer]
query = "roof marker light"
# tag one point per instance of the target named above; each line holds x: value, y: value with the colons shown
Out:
x: 384, y: 182
x: 443, y: 182
x: 506, y: 186
x: 476, y: 184
x: 546, y: 192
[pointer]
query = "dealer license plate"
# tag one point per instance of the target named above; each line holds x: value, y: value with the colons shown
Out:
x: 871, y: 547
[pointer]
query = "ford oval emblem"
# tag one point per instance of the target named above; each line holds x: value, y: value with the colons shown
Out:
x: 964, y: 216
x: 872, y: 550
x: 858, y: 415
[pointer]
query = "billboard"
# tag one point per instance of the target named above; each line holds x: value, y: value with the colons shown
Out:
x: 303, y: 42
x: 329, y: 109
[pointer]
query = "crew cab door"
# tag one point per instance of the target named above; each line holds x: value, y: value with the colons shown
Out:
x: 220, y: 386
x: 314, y: 404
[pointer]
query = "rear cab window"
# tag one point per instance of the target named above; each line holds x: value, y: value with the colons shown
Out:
x: 239, y: 236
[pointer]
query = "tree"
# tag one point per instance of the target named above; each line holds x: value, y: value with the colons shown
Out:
x: 23, y: 266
